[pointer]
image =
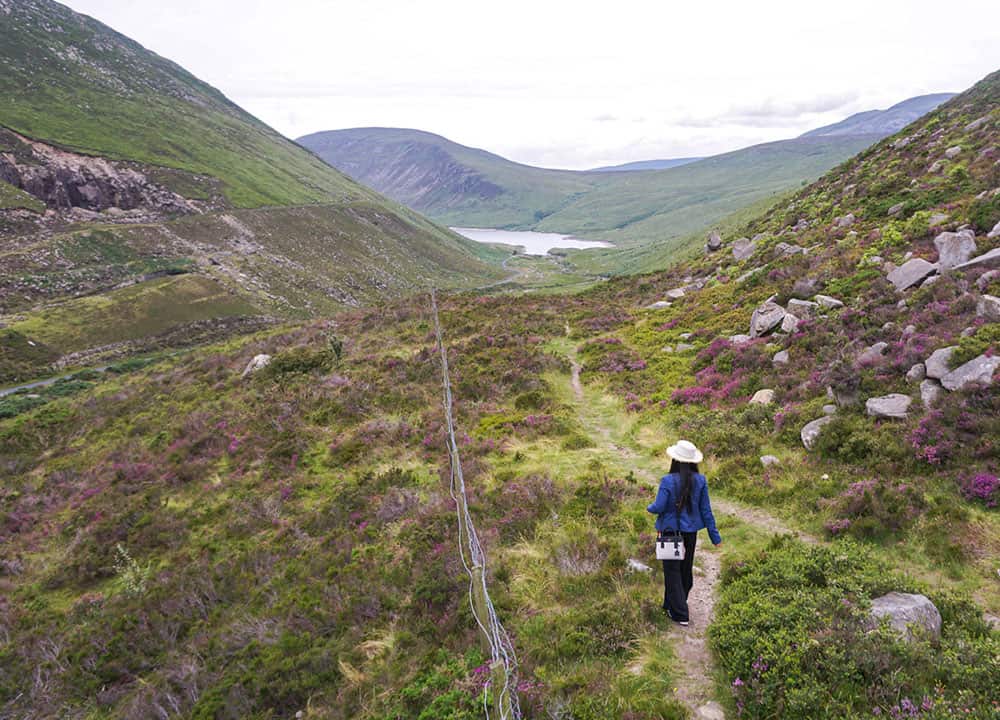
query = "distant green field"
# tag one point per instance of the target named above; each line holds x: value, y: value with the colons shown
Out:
x: 130, y: 313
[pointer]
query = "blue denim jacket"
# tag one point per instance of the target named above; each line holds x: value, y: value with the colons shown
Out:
x: 692, y: 520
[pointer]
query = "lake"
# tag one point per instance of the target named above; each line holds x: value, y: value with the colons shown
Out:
x: 533, y: 243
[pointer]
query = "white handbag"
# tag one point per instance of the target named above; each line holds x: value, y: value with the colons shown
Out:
x: 670, y: 547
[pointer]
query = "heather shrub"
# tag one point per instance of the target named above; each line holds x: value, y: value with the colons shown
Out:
x: 792, y: 638
x: 874, y: 508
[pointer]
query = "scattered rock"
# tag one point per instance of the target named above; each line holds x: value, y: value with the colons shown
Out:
x: 828, y: 303
x: 896, y: 209
x: 739, y: 339
x: 785, y: 249
x: 801, y: 308
x: 910, y: 273
x: 780, y: 358
x: 930, y: 281
x: 658, y: 305
x: 810, y: 433
x: 789, y: 323
x: 902, y: 143
x: 762, y: 397
x: 917, y: 372
x: 685, y: 335
x: 988, y: 277
x: 259, y: 362
x: 969, y: 332
x: 988, y: 259
x: 845, y: 221
x: 976, y: 124
x: 937, y: 219
x: 954, y: 248
x: 676, y: 293
x: 765, y: 318
x: 989, y: 308
x: 829, y: 409
x: 804, y: 288
x: 711, y: 711
x: 995, y: 232
x: 938, y: 364
x: 978, y: 370
x: 768, y: 460
x: 872, y: 354
x: 638, y: 566
x: 935, y: 167
x: 910, y: 615
x: 743, y: 249
x: 667, y: 349
x: 894, y: 405
x: 684, y: 347
x: 953, y: 152
x: 930, y: 392
x: 714, y: 242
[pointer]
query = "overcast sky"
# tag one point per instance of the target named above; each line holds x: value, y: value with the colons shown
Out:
x: 569, y: 84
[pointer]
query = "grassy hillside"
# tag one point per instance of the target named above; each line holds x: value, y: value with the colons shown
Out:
x: 182, y: 541
x: 88, y: 113
x: 74, y: 82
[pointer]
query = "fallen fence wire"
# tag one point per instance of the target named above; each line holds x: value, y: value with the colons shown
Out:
x: 502, y: 684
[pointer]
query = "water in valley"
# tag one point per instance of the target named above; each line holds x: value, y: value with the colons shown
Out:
x: 532, y: 243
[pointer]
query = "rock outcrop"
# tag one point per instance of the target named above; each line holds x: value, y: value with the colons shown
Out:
x: 910, y: 615
x: 979, y: 370
x: 954, y: 248
x: 765, y: 318
x: 911, y: 273
x: 811, y: 431
x: 894, y: 405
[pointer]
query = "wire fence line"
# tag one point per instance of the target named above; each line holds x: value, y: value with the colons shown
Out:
x: 502, y: 684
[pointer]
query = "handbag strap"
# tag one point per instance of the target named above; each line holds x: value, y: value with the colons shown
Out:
x: 677, y: 508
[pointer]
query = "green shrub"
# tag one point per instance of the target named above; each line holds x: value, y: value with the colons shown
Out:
x: 792, y: 636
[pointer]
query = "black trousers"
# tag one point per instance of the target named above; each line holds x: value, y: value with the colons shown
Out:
x: 678, y: 579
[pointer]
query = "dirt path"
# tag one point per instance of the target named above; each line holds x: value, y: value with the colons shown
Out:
x: 695, y: 682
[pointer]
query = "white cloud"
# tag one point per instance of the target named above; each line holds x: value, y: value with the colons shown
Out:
x: 568, y: 84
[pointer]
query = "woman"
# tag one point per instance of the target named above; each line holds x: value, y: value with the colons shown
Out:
x: 682, y: 505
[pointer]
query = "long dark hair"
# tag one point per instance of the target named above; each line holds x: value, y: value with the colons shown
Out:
x: 686, y: 470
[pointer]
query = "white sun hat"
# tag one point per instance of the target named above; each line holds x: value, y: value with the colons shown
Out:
x: 684, y: 451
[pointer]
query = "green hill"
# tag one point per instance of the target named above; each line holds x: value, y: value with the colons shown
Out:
x: 147, y: 171
x: 182, y: 539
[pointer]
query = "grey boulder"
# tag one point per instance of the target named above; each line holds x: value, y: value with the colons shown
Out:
x: 768, y: 460
x: 762, y: 397
x: 917, y: 372
x: 765, y: 318
x: 789, y: 323
x: 989, y: 308
x: 259, y: 362
x: 979, y: 370
x: 989, y: 259
x: 780, y: 358
x: 714, y: 241
x: 801, y: 308
x: 894, y: 405
x: 743, y: 249
x: 810, y: 433
x: 828, y: 303
x: 909, y: 615
x: 938, y: 364
x: 872, y: 354
x: 995, y: 232
x: 954, y: 248
x: 911, y: 273
x: 930, y: 392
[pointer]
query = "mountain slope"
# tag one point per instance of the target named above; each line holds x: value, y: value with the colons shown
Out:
x: 117, y: 166
x: 452, y: 183
x: 468, y: 187
x: 883, y: 122
x: 183, y: 541
x: 647, y: 165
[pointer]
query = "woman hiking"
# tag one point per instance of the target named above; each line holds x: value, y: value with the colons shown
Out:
x: 682, y: 507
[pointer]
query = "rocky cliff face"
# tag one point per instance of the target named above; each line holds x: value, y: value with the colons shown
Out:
x: 65, y: 180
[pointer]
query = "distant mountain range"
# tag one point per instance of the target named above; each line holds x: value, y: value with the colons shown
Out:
x: 883, y: 122
x: 471, y: 187
x: 647, y: 165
